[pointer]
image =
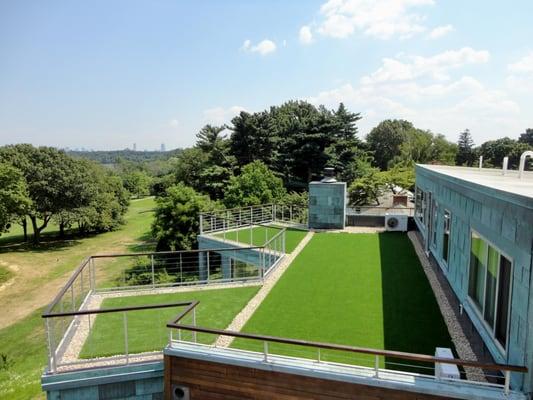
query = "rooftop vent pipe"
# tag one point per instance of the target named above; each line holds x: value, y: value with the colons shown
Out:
x: 329, y: 175
x: 505, y: 165
x: 522, y: 166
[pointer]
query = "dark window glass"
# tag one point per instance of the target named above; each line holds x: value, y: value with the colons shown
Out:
x: 504, y: 292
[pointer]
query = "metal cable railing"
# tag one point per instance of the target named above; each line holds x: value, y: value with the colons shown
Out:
x: 234, y: 218
x: 378, y: 356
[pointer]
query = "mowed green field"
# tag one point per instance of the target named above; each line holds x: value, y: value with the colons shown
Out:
x: 258, y: 236
x: 147, y: 329
x: 23, y: 343
x: 366, y: 290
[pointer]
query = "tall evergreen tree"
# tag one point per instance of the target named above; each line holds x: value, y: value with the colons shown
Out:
x: 466, y: 155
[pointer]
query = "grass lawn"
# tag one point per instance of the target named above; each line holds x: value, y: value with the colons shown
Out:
x: 147, y: 329
x: 260, y: 234
x: 366, y: 290
x: 39, y: 272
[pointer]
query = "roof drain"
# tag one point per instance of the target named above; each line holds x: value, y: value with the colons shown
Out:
x: 522, y: 166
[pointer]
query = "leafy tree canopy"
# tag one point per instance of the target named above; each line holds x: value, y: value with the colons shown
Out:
x: 14, y: 199
x: 255, y: 185
x: 176, y: 223
x: 494, y: 151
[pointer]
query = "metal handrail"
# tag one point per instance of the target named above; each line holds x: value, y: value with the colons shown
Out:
x: 87, y: 260
x: 329, y: 346
x: 114, y: 309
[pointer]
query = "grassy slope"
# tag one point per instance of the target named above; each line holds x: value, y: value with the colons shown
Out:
x: 147, y: 329
x: 362, y: 290
x: 38, y: 267
x: 24, y: 342
x: 259, y: 236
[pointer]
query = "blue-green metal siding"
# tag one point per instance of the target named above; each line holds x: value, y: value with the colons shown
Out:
x: 504, y: 219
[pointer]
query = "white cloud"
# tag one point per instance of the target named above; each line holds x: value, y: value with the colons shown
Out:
x: 381, y: 19
x: 524, y: 65
x: 436, y: 67
x: 264, y: 47
x: 415, y: 90
x: 520, y: 78
x: 440, y: 31
x: 305, y: 35
x: 221, y: 115
x: 174, y: 123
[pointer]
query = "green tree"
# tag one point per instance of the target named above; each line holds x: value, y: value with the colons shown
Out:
x: 189, y: 167
x: 219, y: 164
x: 385, y: 140
x: 211, y: 141
x: 254, y: 137
x: 367, y: 189
x: 346, y: 147
x: 297, y: 140
x: 527, y: 137
x: 106, y: 202
x: 466, y: 154
x: 398, y: 177
x: 493, y: 152
x: 60, y: 187
x: 52, y: 186
x: 14, y: 199
x: 138, y: 183
x: 255, y: 185
x: 176, y: 222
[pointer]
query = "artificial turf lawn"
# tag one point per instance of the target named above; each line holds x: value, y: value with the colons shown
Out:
x: 366, y: 290
x: 147, y: 329
x: 260, y: 234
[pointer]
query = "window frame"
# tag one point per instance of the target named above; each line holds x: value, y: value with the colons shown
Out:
x: 480, y: 313
x: 446, y: 232
x: 420, y: 209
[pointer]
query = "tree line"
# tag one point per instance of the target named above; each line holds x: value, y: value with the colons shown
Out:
x: 271, y: 155
x: 261, y: 157
x: 43, y: 184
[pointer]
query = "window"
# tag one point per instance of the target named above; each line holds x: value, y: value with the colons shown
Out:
x: 446, y: 236
x: 490, y: 285
x: 420, y: 205
x: 434, y: 216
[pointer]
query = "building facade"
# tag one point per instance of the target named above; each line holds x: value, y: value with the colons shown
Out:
x: 478, y: 226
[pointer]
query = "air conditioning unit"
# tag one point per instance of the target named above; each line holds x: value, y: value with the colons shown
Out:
x: 396, y: 222
x: 442, y: 370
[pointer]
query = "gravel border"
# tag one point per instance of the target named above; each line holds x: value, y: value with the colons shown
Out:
x: 240, y: 319
x: 82, y: 324
x: 468, y: 345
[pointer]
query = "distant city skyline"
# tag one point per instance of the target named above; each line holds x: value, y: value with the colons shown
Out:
x: 105, y: 75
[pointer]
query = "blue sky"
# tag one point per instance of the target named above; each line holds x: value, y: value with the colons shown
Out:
x: 107, y: 74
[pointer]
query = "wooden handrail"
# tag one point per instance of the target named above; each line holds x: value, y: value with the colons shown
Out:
x: 190, y: 305
x: 329, y: 346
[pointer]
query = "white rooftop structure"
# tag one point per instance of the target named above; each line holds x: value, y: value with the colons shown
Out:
x: 498, y: 179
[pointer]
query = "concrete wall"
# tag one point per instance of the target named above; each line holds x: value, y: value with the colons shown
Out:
x: 327, y: 205
x: 504, y: 219
x: 133, y: 382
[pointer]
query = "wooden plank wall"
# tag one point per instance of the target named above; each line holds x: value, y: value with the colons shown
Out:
x: 214, y: 381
